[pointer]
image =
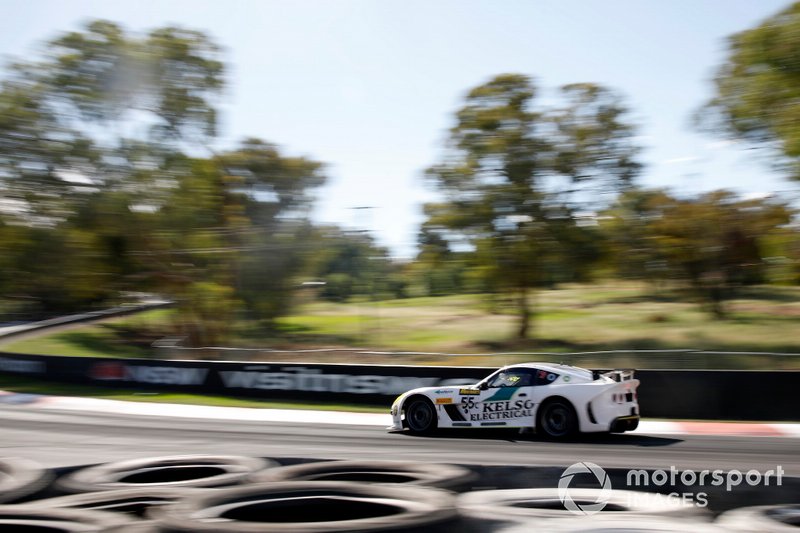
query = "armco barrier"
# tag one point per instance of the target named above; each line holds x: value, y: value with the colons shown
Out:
x: 676, y: 394
x: 90, y: 316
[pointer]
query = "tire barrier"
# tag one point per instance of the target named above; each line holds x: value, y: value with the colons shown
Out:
x: 204, y: 493
x: 21, y: 478
x: 311, y: 506
x: 538, y: 504
x: 135, y: 503
x: 443, y: 476
x: 175, y: 471
x: 606, y: 524
x: 29, y: 518
x: 762, y: 518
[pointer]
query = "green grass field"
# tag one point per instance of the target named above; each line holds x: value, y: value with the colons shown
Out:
x: 574, y: 318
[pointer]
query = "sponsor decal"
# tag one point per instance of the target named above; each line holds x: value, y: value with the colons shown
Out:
x: 301, y: 378
x: 107, y: 371
x: 454, y: 414
x: 266, y: 377
x: 549, y: 376
x: 22, y: 366
x: 469, y: 392
x: 160, y: 375
x: 467, y: 403
x: 167, y: 375
x: 443, y: 401
x: 503, y: 393
x: 503, y: 410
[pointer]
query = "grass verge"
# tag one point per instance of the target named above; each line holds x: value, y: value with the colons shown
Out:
x: 597, y: 317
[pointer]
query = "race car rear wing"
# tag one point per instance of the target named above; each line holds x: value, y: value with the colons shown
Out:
x: 618, y: 375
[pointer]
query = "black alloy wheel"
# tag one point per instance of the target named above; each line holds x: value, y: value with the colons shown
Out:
x: 420, y: 416
x: 556, y: 420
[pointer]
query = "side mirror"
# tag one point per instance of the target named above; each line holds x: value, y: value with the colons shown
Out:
x: 483, y: 386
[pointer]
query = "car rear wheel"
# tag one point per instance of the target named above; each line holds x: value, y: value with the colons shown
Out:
x: 420, y: 416
x: 556, y: 419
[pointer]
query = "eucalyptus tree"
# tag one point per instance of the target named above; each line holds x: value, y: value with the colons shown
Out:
x: 516, y: 173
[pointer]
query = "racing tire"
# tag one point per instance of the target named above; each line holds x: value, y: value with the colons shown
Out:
x: 605, y: 524
x: 766, y: 518
x: 556, y: 419
x: 134, y: 503
x: 21, y: 478
x: 174, y: 471
x: 311, y: 507
x: 421, y: 417
x: 537, y: 504
x: 406, y: 473
x: 32, y: 518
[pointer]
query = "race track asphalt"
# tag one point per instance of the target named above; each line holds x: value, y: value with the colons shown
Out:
x: 58, y: 439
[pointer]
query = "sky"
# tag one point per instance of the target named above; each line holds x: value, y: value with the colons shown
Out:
x: 369, y: 87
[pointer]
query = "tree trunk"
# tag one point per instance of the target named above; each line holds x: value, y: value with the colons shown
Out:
x: 524, y: 314
x: 717, y: 299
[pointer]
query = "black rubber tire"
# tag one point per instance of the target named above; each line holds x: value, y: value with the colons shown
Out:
x: 175, y: 471
x: 21, y: 478
x: 556, y: 419
x: 766, y: 518
x: 606, y: 524
x: 136, y: 527
x: 311, y: 507
x: 29, y: 517
x: 407, y: 473
x: 134, y: 503
x: 421, y: 417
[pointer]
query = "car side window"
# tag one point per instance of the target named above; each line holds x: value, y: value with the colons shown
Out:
x: 522, y: 377
x: 543, y: 377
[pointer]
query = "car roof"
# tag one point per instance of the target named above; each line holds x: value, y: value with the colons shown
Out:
x: 544, y: 366
x: 557, y: 368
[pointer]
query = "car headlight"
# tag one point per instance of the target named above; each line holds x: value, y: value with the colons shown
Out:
x: 396, y: 405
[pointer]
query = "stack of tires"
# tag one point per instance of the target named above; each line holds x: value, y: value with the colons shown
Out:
x: 206, y: 493
x: 198, y: 493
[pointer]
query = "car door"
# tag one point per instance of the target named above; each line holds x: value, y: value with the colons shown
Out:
x: 504, y: 399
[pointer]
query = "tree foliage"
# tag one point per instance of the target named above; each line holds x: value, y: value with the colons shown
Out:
x: 515, y: 174
x: 713, y: 243
x: 758, y: 88
x: 102, y: 74
x: 105, y: 190
x: 350, y: 264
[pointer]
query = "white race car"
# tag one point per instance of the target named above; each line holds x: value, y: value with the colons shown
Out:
x: 555, y: 400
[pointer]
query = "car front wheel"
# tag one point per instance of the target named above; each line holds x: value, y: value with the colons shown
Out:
x: 420, y: 416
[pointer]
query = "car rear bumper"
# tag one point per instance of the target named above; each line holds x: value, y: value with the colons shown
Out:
x: 624, y: 423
